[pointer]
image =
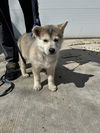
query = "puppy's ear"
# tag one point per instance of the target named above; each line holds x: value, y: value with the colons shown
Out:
x: 62, y: 26
x: 36, y: 31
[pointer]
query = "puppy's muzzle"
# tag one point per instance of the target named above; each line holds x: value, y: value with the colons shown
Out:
x: 52, y: 51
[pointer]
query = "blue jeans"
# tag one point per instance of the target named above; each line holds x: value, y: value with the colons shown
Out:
x: 30, y: 11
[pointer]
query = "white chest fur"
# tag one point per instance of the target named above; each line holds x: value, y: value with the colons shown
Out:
x: 44, y: 61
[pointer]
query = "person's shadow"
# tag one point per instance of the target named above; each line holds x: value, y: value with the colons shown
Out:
x: 64, y: 76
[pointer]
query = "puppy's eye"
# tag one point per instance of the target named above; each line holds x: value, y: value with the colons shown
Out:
x: 45, y: 40
x: 56, y: 40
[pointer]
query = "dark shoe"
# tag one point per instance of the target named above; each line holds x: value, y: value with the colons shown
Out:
x: 12, y: 71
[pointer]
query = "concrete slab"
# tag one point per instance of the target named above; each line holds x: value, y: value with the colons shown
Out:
x: 74, y: 108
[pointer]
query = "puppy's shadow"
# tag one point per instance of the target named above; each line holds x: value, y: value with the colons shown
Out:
x: 64, y: 76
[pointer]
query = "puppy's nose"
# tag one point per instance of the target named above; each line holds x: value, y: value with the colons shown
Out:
x: 52, y: 50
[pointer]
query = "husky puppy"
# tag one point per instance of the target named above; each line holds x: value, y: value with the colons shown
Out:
x: 41, y: 49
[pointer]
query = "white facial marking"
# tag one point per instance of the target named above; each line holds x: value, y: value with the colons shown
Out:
x: 49, y: 45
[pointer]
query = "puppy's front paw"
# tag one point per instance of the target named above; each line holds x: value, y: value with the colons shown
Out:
x: 37, y: 87
x: 25, y: 75
x: 52, y: 87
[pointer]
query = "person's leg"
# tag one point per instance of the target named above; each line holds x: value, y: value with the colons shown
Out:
x: 26, y: 6
x: 30, y: 11
x: 35, y: 9
x: 7, y: 30
x: 11, y: 54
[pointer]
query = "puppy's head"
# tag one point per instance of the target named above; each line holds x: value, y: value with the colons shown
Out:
x: 49, y: 38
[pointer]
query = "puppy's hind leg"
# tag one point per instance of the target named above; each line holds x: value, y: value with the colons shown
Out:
x: 23, y: 67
